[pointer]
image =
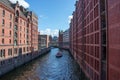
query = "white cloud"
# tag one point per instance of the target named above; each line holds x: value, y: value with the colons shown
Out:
x: 48, y: 31
x: 21, y: 2
x: 69, y: 18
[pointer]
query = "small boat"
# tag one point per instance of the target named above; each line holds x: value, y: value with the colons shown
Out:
x: 59, y: 54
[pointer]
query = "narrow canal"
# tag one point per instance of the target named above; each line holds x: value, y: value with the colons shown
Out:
x: 47, y: 67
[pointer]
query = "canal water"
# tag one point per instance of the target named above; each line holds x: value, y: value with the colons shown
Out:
x: 47, y: 67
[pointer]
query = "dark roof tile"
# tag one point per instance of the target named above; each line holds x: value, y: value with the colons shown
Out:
x: 7, y: 3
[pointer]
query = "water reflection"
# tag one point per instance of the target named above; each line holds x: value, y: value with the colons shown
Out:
x: 47, y: 67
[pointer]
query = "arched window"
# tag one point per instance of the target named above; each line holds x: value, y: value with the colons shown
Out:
x: 17, y: 13
x: 10, y: 24
x: 3, y: 22
x: 16, y: 16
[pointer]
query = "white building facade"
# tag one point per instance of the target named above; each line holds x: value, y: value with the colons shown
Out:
x: 66, y: 39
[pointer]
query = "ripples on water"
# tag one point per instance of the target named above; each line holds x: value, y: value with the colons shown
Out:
x: 47, y: 67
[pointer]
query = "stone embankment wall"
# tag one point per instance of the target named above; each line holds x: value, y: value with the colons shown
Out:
x: 12, y: 63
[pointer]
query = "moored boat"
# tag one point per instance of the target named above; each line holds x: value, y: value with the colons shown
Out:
x: 59, y: 54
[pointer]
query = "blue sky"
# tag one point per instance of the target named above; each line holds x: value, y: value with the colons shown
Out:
x: 53, y: 14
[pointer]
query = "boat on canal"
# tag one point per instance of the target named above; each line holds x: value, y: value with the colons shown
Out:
x: 59, y: 54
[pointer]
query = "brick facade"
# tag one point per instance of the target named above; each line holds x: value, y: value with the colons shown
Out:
x: 88, y: 37
x: 66, y: 39
x: 60, y: 39
x: 113, y: 39
x: 18, y: 31
x: 95, y: 40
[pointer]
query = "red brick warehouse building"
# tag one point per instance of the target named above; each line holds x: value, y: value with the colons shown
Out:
x: 18, y: 33
x: 95, y: 39
x: 113, y: 39
x: 60, y: 39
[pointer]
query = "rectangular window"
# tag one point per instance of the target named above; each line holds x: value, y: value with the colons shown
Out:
x: 24, y: 49
x: 10, y: 33
x: 27, y: 42
x: 10, y: 16
x: 15, y: 51
x: 20, y: 50
x: 9, y: 52
x: 20, y: 35
x: 2, y: 53
x: 10, y: 41
x: 3, y: 22
x: 10, y: 24
x: 2, y: 32
x: 27, y: 49
x: 2, y: 41
x: 3, y: 13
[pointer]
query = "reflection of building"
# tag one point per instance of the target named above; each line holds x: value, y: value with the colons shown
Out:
x: 60, y: 39
x: 18, y: 32
x: 66, y: 39
x: 44, y: 41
